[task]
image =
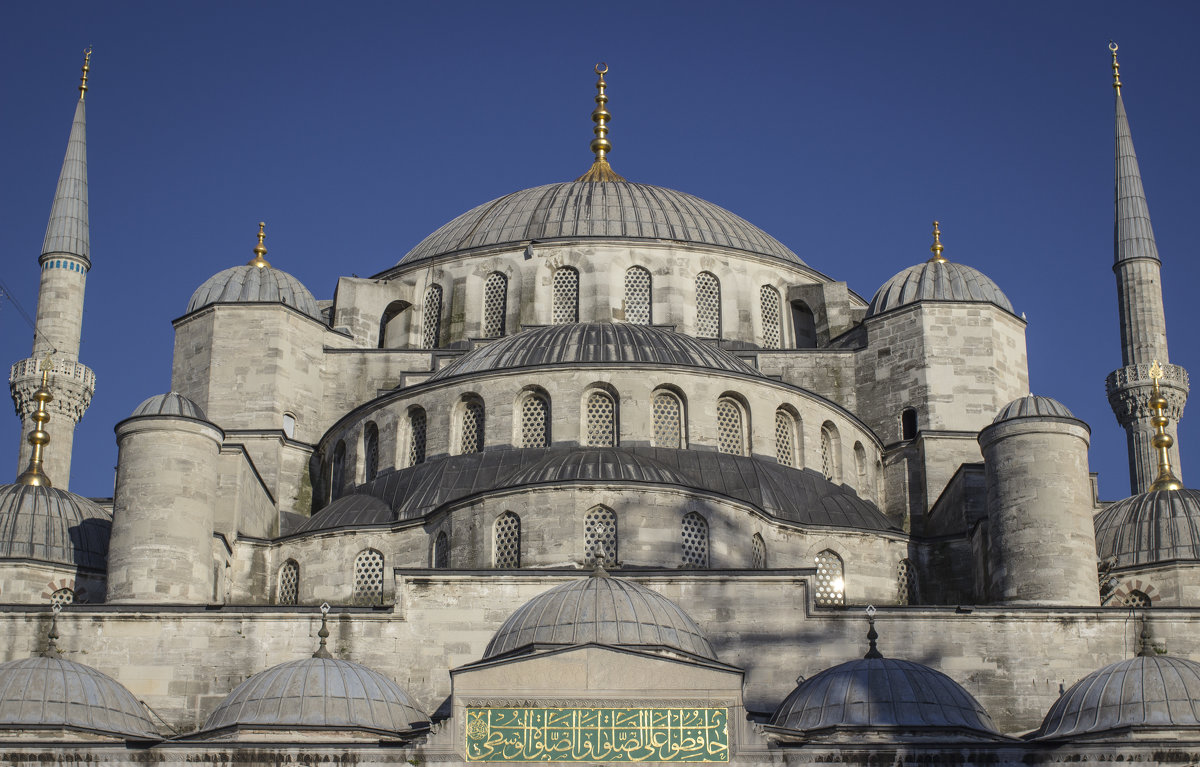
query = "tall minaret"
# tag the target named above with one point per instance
(64, 263)
(1143, 324)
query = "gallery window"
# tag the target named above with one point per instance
(495, 305)
(507, 554)
(695, 541)
(368, 578)
(637, 295)
(432, 317)
(708, 305)
(565, 307)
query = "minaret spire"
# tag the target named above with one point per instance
(601, 171)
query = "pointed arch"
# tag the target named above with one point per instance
(287, 583)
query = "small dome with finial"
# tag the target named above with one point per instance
(171, 403)
(255, 282)
(1033, 406)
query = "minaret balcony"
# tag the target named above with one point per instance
(72, 382)
(1129, 390)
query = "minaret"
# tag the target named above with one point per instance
(1143, 323)
(65, 264)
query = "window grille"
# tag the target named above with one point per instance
(667, 412)
(695, 541)
(729, 428)
(566, 296)
(1137, 598)
(831, 585)
(371, 449)
(600, 536)
(338, 470)
(508, 541)
(441, 551)
(62, 597)
(759, 553)
(828, 467)
(433, 316)
(289, 583)
(535, 421)
(708, 305)
(472, 428)
(785, 438)
(906, 583)
(601, 420)
(769, 300)
(637, 296)
(368, 578)
(495, 305)
(416, 437)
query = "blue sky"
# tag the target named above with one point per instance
(842, 129)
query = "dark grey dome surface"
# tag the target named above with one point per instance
(594, 342)
(604, 610)
(882, 692)
(43, 692)
(171, 403)
(319, 693)
(1157, 526)
(937, 281)
(595, 464)
(1155, 692)
(1033, 406)
(51, 525)
(618, 210)
(253, 284)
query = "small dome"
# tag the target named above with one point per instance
(937, 281)
(1147, 528)
(594, 343)
(1033, 406)
(253, 284)
(319, 693)
(1147, 692)
(51, 525)
(40, 693)
(871, 693)
(171, 403)
(600, 609)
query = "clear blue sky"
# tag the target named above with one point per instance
(842, 129)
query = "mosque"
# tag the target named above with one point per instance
(599, 472)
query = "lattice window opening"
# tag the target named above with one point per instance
(708, 306)
(495, 305)
(828, 458)
(637, 296)
(769, 301)
(62, 597)
(758, 558)
(508, 541)
(416, 437)
(1137, 598)
(731, 428)
(471, 440)
(830, 581)
(906, 583)
(371, 452)
(695, 541)
(288, 592)
(432, 317)
(600, 537)
(368, 578)
(535, 421)
(565, 296)
(441, 552)
(601, 415)
(785, 438)
(667, 417)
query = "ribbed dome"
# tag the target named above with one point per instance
(1033, 406)
(1140, 692)
(882, 692)
(596, 464)
(171, 403)
(40, 692)
(319, 693)
(594, 342)
(253, 284)
(51, 525)
(600, 609)
(937, 281)
(617, 210)
(1158, 526)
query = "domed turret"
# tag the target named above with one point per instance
(1033, 406)
(171, 403)
(255, 282)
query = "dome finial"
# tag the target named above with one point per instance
(936, 248)
(33, 474)
(260, 250)
(322, 650)
(1115, 67)
(601, 171)
(872, 635)
(1162, 441)
(87, 59)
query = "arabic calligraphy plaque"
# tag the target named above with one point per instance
(597, 734)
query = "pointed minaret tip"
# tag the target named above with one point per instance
(87, 59)
(260, 250)
(936, 248)
(601, 171)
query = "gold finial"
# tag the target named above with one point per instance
(601, 171)
(1115, 66)
(87, 59)
(260, 250)
(33, 474)
(323, 650)
(937, 248)
(1162, 441)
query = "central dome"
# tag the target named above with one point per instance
(618, 210)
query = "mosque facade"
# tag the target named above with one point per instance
(599, 472)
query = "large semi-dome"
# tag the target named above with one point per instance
(937, 281)
(595, 342)
(613, 210)
(1158, 526)
(254, 284)
(46, 524)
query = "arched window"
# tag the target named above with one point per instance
(804, 326)
(829, 447)
(62, 597)
(769, 304)
(440, 557)
(535, 421)
(371, 452)
(906, 583)
(708, 305)
(288, 587)
(565, 307)
(601, 420)
(368, 578)
(695, 541)
(471, 440)
(600, 536)
(1137, 598)
(786, 438)
(508, 541)
(878, 483)
(831, 584)
(731, 427)
(758, 553)
(337, 474)
(860, 471)
(637, 295)
(667, 415)
(289, 425)
(416, 436)
(908, 423)
(495, 305)
(433, 317)
(391, 334)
